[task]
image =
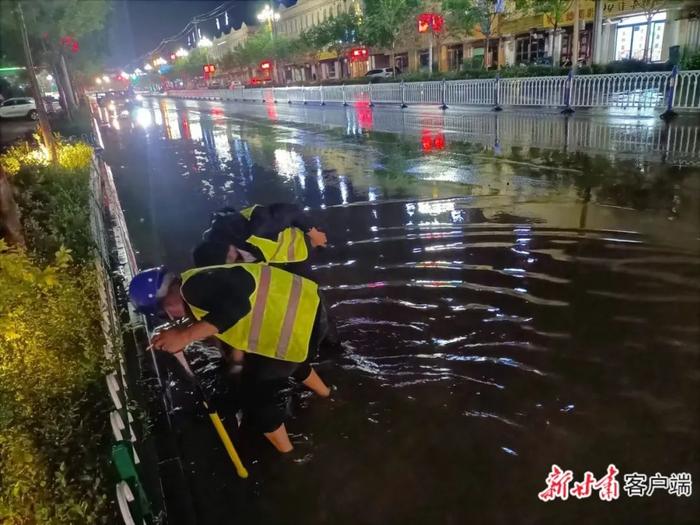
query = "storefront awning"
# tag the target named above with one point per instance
(327, 55)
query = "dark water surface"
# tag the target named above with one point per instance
(513, 291)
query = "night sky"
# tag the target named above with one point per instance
(137, 26)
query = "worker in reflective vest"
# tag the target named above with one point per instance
(276, 234)
(272, 234)
(269, 313)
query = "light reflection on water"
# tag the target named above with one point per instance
(499, 314)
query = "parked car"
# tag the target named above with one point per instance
(19, 107)
(383, 72)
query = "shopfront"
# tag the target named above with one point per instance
(635, 32)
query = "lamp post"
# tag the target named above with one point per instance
(268, 15)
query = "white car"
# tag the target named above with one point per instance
(19, 107)
(383, 72)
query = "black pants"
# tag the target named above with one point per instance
(265, 381)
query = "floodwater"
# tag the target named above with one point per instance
(513, 291)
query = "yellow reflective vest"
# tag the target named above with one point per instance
(282, 314)
(289, 246)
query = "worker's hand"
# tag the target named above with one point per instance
(317, 238)
(173, 340)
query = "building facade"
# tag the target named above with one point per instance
(517, 38)
(227, 42)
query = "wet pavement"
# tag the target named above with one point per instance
(514, 290)
(15, 129)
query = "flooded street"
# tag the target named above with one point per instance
(513, 290)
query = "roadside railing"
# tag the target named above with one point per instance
(146, 471)
(650, 90)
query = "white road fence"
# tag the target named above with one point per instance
(670, 90)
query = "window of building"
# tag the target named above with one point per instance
(631, 37)
(455, 56)
(531, 48)
(424, 58)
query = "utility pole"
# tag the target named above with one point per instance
(430, 54)
(575, 46)
(44, 125)
(597, 31)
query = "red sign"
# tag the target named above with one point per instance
(358, 54)
(209, 70)
(430, 21)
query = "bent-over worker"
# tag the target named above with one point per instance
(270, 314)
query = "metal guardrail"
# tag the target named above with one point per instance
(163, 474)
(653, 90)
(134, 504)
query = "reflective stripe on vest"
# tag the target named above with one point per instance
(247, 212)
(282, 314)
(290, 245)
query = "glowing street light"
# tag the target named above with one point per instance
(204, 42)
(98, 80)
(268, 15)
(148, 67)
(138, 71)
(180, 53)
(105, 79)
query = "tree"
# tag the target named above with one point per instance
(650, 8)
(10, 224)
(554, 10)
(44, 126)
(385, 20)
(193, 64)
(335, 34)
(463, 16)
(47, 22)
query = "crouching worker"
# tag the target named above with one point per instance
(270, 314)
(277, 234)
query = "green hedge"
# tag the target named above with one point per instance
(472, 70)
(54, 425)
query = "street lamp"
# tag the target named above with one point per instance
(148, 67)
(268, 15)
(180, 53)
(98, 80)
(204, 42)
(105, 78)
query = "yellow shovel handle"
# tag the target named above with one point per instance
(219, 426)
